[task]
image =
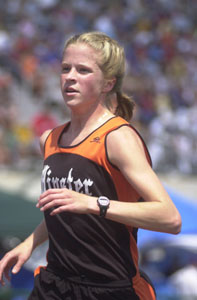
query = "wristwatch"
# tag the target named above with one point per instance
(103, 203)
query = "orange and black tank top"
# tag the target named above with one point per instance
(85, 243)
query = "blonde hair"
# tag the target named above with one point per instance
(112, 63)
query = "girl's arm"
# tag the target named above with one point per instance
(21, 253)
(158, 213)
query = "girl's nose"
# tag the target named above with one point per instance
(71, 75)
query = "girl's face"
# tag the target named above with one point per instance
(82, 81)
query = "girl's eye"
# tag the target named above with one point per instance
(65, 69)
(84, 70)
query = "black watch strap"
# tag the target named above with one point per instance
(103, 211)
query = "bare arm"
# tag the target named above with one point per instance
(21, 253)
(158, 212)
(38, 237)
(43, 139)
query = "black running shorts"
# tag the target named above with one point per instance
(50, 286)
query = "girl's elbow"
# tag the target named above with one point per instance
(176, 224)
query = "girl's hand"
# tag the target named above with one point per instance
(14, 259)
(62, 200)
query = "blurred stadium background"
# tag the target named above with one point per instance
(160, 40)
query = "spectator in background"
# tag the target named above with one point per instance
(184, 281)
(43, 121)
(8, 116)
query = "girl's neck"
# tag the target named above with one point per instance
(80, 127)
(90, 121)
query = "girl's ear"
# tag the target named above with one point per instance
(109, 84)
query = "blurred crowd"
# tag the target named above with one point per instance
(160, 40)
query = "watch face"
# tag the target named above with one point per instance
(104, 201)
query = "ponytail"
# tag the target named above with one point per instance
(125, 106)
